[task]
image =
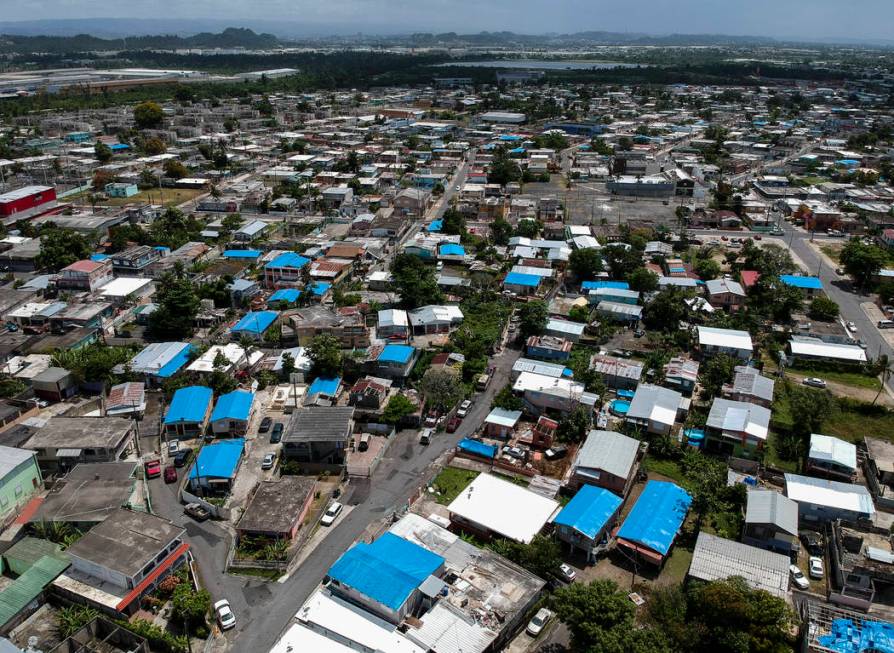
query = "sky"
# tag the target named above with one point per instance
(803, 19)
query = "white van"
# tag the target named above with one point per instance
(885, 324)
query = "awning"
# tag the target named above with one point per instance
(646, 553)
(68, 453)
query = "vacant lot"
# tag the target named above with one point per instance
(167, 197)
(450, 482)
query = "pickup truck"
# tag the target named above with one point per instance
(196, 511)
(153, 468)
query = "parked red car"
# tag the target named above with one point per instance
(153, 468)
(170, 474)
(453, 424)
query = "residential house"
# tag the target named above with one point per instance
(20, 479)
(188, 413)
(434, 319)
(393, 324)
(232, 413)
(135, 261)
(284, 270)
(500, 423)
(832, 458)
(681, 374)
(650, 528)
(736, 427)
(255, 325)
(617, 373)
(585, 523)
(655, 408)
(731, 342)
(608, 460)
(63, 442)
(214, 469)
(546, 393)
(549, 348)
(725, 294)
(308, 323)
(750, 386)
(821, 500)
(771, 522)
(277, 508)
(85, 275)
(317, 437)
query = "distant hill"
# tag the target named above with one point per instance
(230, 37)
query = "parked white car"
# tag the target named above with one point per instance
(567, 573)
(331, 513)
(814, 382)
(269, 461)
(815, 567)
(464, 408)
(799, 580)
(225, 615)
(173, 447)
(538, 623)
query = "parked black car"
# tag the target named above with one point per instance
(265, 425)
(276, 434)
(813, 542)
(182, 457)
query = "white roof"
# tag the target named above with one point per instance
(585, 242)
(822, 492)
(655, 403)
(542, 368)
(807, 346)
(12, 457)
(833, 450)
(503, 417)
(299, 638)
(355, 624)
(123, 286)
(540, 383)
(729, 338)
(393, 317)
(564, 326)
(504, 508)
(231, 351)
(435, 314)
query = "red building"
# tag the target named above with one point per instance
(24, 199)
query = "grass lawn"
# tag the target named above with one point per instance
(833, 252)
(669, 468)
(172, 197)
(772, 458)
(676, 567)
(854, 379)
(450, 482)
(852, 425)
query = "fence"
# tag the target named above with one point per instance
(216, 511)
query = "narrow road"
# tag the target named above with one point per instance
(264, 609)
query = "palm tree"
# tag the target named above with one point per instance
(885, 370)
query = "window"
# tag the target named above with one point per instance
(19, 490)
(4, 501)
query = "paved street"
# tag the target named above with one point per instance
(263, 609)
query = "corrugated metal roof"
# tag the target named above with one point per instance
(589, 510)
(447, 630)
(716, 558)
(29, 585)
(608, 451)
(771, 507)
(832, 450)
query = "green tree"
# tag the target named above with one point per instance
(585, 263)
(503, 170)
(177, 305)
(542, 556)
(60, 247)
(506, 400)
(325, 354)
(501, 231)
(705, 480)
(707, 268)
(666, 310)
(862, 261)
(643, 280)
(621, 261)
(823, 309)
(288, 364)
(579, 314)
(190, 606)
(10, 387)
(454, 223)
(397, 408)
(573, 427)
(533, 317)
(148, 115)
(598, 615)
(442, 387)
(175, 169)
(528, 228)
(415, 281)
(71, 619)
(714, 372)
(810, 409)
(102, 152)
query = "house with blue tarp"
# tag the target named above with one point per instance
(243, 254)
(161, 360)
(477, 448)
(232, 413)
(596, 285)
(284, 270)
(284, 295)
(323, 387)
(586, 521)
(435, 226)
(254, 324)
(451, 252)
(396, 361)
(214, 469)
(654, 521)
(521, 283)
(388, 577)
(188, 412)
(810, 286)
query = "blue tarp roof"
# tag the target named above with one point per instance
(233, 405)
(847, 636)
(320, 288)
(396, 354)
(327, 387)
(517, 150)
(285, 295)
(242, 253)
(478, 448)
(510, 137)
(596, 285)
(796, 280)
(387, 571)
(521, 279)
(589, 510)
(218, 459)
(435, 226)
(452, 249)
(98, 258)
(189, 404)
(115, 147)
(255, 322)
(178, 361)
(657, 516)
(288, 260)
